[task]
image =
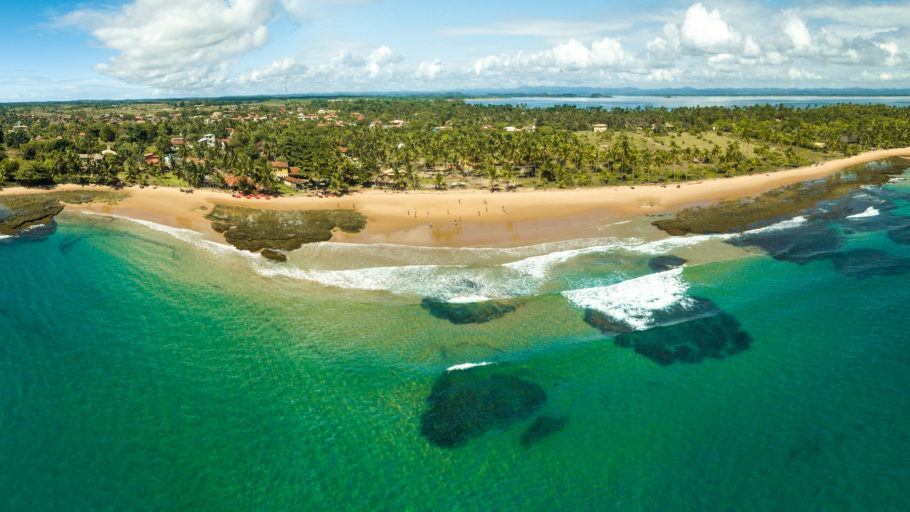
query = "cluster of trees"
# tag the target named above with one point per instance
(444, 143)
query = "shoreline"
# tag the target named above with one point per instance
(474, 217)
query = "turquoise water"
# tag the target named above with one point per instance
(143, 369)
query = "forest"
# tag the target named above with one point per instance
(339, 145)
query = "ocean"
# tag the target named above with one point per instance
(144, 368)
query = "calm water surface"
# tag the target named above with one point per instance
(142, 368)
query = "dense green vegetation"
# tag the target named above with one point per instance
(401, 143)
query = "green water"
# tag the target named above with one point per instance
(140, 372)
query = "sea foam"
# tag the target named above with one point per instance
(869, 212)
(467, 366)
(189, 236)
(634, 302)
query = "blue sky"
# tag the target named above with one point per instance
(61, 50)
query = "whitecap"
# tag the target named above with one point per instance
(467, 366)
(634, 302)
(441, 282)
(468, 299)
(869, 212)
(540, 266)
(780, 226)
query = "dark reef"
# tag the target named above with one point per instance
(470, 312)
(542, 428)
(465, 404)
(663, 263)
(779, 204)
(711, 337)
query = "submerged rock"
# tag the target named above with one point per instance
(604, 323)
(688, 309)
(802, 244)
(668, 262)
(542, 428)
(864, 263)
(715, 337)
(253, 229)
(274, 255)
(900, 235)
(465, 404)
(469, 312)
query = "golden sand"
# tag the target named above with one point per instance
(475, 217)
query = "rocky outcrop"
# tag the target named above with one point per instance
(23, 211)
(253, 229)
(779, 204)
(20, 212)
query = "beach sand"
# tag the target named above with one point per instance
(475, 217)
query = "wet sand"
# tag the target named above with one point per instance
(475, 217)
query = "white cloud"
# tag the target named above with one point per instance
(571, 55)
(802, 74)
(428, 70)
(205, 46)
(177, 44)
(706, 31)
(379, 58)
(796, 30)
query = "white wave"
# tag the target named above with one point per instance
(665, 245)
(780, 226)
(869, 212)
(4, 236)
(467, 366)
(539, 266)
(468, 299)
(635, 301)
(186, 235)
(447, 283)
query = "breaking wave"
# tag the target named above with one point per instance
(868, 212)
(633, 303)
(463, 275)
(467, 366)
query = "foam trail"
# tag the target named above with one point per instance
(447, 283)
(780, 226)
(467, 366)
(634, 302)
(869, 212)
(186, 235)
(540, 266)
(468, 299)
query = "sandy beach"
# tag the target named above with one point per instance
(475, 217)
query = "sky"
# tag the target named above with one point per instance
(118, 49)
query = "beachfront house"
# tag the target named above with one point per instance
(281, 169)
(599, 128)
